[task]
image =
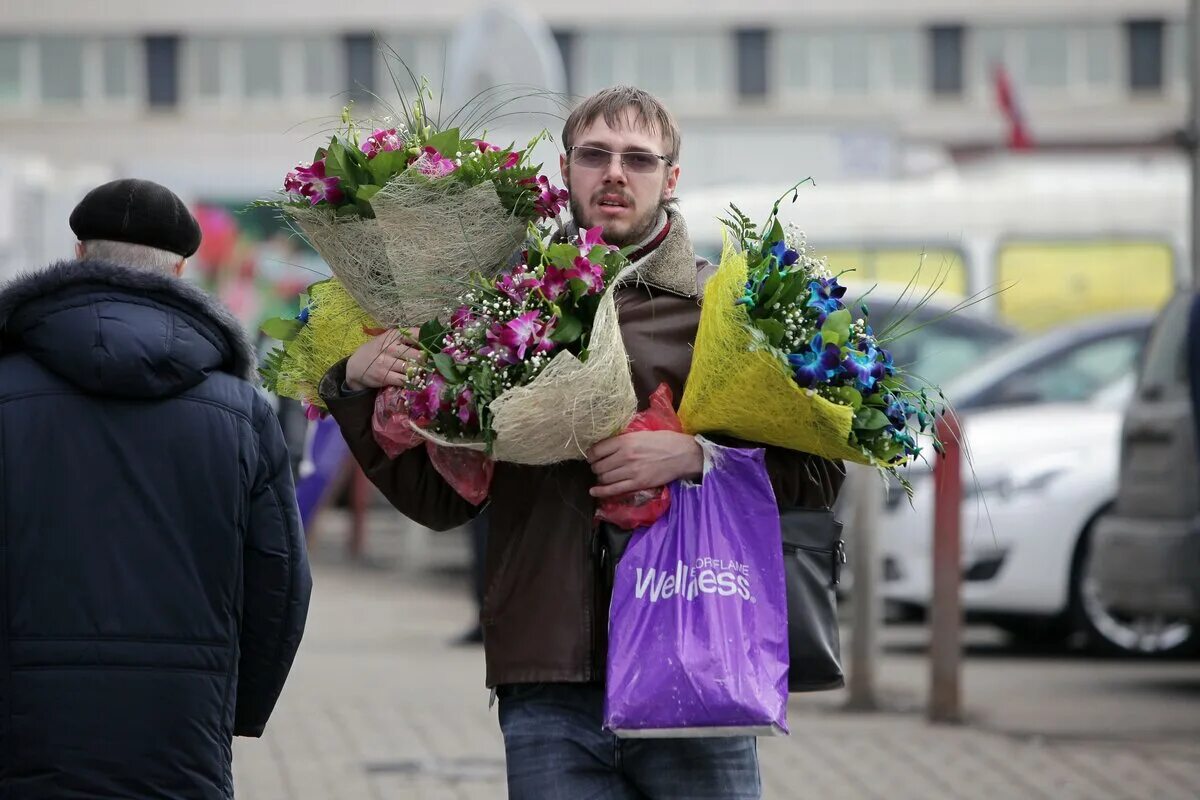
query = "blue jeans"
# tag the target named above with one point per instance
(556, 750)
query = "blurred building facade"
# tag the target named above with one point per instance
(220, 98)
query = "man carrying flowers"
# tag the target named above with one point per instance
(548, 571)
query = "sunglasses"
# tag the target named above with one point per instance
(599, 158)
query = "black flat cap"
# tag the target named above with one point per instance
(137, 212)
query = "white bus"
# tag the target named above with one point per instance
(1066, 237)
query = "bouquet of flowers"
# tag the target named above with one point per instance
(780, 360)
(403, 215)
(330, 326)
(530, 369)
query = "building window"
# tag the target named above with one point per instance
(830, 64)
(207, 64)
(683, 68)
(566, 50)
(60, 60)
(90, 72)
(946, 48)
(11, 74)
(162, 71)
(262, 68)
(1046, 57)
(851, 62)
(1101, 47)
(903, 67)
(1145, 39)
(752, 64)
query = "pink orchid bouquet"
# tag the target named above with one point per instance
(406, 214)
(351, 169)
(531, 367)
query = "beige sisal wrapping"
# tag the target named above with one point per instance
(410, 263)
(570, 406)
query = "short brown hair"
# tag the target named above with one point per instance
(612, 103)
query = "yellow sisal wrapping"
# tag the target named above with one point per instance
(736, 390)
(334, 331)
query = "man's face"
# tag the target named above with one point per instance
(622, 201)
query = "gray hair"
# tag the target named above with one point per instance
(138, 256)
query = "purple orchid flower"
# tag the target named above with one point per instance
(825, 295)
(382, 141)
(590, 273)
(551, 200)
(462, 317)
(316, 186)
(425, 404)
(865, 368)
(555, 281)
(465, 406)
(784, 256)
(433, 164)
(816, 365)
(292, 183)
(513, 159)
(517, 284)
(590, 237)
(898, 411)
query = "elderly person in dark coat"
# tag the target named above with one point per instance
(153, 577)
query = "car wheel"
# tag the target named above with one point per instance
(1109, 632)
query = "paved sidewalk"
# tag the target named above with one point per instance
(380, 705)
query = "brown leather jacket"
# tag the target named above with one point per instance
(545, 608)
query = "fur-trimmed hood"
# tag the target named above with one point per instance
(121, 332)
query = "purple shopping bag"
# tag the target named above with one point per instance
(698, 623)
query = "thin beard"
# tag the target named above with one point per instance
(634, 236)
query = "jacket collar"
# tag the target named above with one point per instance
(671, 265)
(221, 326)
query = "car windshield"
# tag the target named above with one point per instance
(930, 342)
(1062, 366)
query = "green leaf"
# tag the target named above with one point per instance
(773, 328)
(446, 366)
(447, 142)
(562, 255)
(431, 334)
(870, 419)
(483, 382)
(836, 329)
(578, 288)
(387, 164)
(771, 287)
(793, 285)
(776, 234)
(283, 329)
(847, 396)
(568, 330)
(367, 191)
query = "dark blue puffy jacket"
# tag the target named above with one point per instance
(153, 577)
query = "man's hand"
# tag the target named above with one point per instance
(630, 462)
(383, 361)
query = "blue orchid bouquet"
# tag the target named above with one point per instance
(781, 359)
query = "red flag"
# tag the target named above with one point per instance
(1018, 131)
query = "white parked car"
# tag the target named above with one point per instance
(1035, 481)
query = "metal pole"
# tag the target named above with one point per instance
(945, 618)
(1193, 132)
(866, 606)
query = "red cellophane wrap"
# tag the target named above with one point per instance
(469, 472)
(644, 507)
